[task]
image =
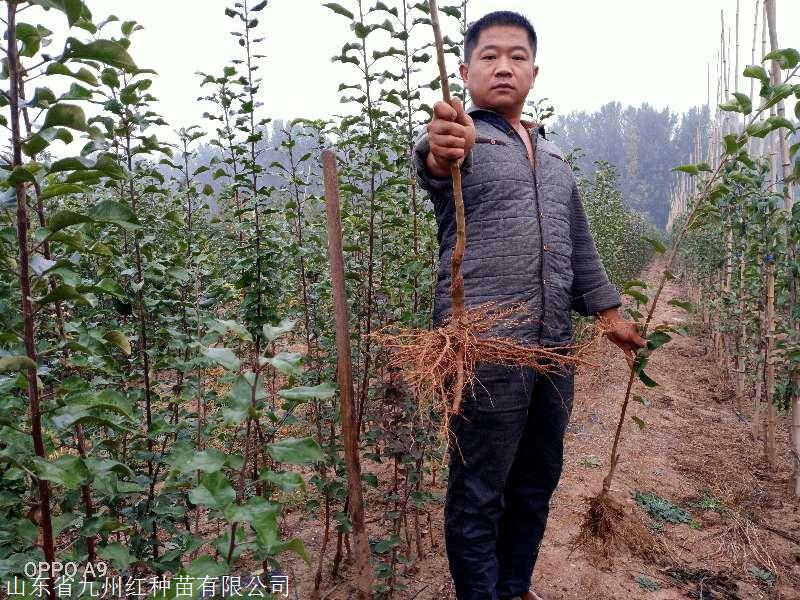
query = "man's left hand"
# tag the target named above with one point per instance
(625, 334)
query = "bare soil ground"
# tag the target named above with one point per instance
(696, 451)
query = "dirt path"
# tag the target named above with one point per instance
(695, 451)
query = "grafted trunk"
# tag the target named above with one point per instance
(29, 331)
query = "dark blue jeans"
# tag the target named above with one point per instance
(506, 454)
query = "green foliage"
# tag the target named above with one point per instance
(662, 509)
(624, 238)
(762, 575)
(182, 299)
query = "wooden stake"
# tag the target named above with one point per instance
(345, 377)
(457, 278)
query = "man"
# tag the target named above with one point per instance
(528, 242)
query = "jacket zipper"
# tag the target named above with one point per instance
(539, 217)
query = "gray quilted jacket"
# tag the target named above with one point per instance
(528, 240)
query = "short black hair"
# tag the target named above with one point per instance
(499, 17)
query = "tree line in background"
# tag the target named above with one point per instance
(643, 143)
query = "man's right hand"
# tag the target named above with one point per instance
(451, 134)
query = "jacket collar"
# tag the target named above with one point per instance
(499, 121)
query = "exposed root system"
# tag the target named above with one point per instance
(608, 526)
(428, 360)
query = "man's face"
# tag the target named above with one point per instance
(500, 71)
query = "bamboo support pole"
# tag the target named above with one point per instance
(345, 377)
(782, 172)
(769, 328)
(783, 144)
(769, 368)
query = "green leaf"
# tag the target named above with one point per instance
(42, 139)
(631, 283)
(788, 58)
(757, 72)
(296, 545)
(30, 37)
(82, 74)
(229, 325)
(73, 163)
(43, 97)
(273, 332)
(206, 566)
(657, 339)
(105, 51)
(64, 521)
(113, 400)
(732, 144)
(296, 451)
(110, 78)
(101, 467)
(730, 106)
(286, 362)
(40, 264)
(118, 555)
(65, 115)
(77, 92)
(657, 246)
(119, 339)
(384, 546)
(265, 523)
(639, 421)
(224, 357)
(111, 287)
(214, 491)
(19, 176)
(765, 127)
(60, 189)
(208, 460)
(339, 9)
(110, 211)
(239, 513)
(744, 101)
(641, 400)
(73, 9)
(241, 397)
(65, 292)
(646, 379)
(687, 306)
(777, 122)
(288, 481)
(68, 470)
(690, 169)
(260, 6)
(10, 364)
(323, 391)
(107, 164)
(637, 295)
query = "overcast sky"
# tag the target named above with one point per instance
(590, 51)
